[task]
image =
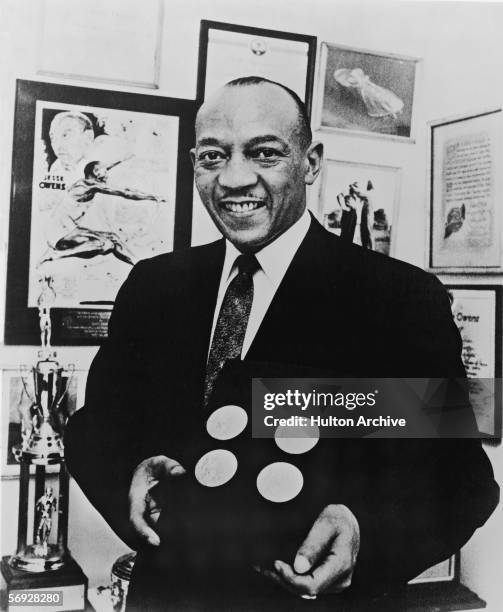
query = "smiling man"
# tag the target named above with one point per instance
(277, 293)
(252, 162)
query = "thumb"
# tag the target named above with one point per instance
(317, 542)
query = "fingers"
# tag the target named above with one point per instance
(335, 571)
(137, 509)
(327, 556)
(142, 507)
(317, 542)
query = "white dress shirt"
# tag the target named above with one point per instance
(274, 260)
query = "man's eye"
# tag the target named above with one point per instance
(265, 154)
(210, 156)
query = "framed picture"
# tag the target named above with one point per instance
(477, 311)
(365, 92)
(465, 218)
(17, 399)
(106, 49)
(228, 51)
(100, 180)
(359, 202)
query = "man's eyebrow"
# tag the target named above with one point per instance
(209, 141)
(257, 140)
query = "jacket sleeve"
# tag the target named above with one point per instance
(425, 497)
(102, 446)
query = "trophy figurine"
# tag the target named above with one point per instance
(42, 547)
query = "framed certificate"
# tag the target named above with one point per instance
(100, 180)
(228, 51)
(465, 228)
(477, 311)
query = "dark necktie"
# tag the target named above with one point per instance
(232, 321)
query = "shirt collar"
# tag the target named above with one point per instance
(275, 258)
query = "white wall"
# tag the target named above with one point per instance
(462, 50)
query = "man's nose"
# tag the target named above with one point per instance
(237, 174)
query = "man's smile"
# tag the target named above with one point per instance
(241, 206)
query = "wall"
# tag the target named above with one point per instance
(461, 48)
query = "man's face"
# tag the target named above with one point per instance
(70, 141)
(100, 172)
(250, 166)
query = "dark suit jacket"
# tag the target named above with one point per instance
(340, 309)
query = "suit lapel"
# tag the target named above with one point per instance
(202, 278)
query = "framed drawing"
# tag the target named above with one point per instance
(228, 51)
(477, 311)
(359, 202)
(100, 180)
(106, 49)
(17, 399)
(365, 92)
(465, 220)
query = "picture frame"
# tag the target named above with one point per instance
(366, 93)
(16, 400)
(343, 209)
(465, 228)
(118, 189)
(120, 26)
(477, 311)
(228, 51)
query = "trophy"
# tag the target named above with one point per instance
(42, 560)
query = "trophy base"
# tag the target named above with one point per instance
(69, 581)
(36, 559)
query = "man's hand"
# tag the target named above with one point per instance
(143, 509)
(326, 558)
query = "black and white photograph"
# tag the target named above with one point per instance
(366, 92)
(251, 302)
(365, 208)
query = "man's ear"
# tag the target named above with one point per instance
(313, 161)
(192, 154)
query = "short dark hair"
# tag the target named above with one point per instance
(90, 168)
(305, 132)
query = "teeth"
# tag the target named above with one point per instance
(241, 207)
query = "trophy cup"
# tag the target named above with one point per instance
(42, 562)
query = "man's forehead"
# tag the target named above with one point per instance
(248, 110)
(69, 123)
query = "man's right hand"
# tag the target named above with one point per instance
(143, 509)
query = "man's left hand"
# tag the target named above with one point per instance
(326, 558)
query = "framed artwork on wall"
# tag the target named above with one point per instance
(228, 51)
(359, 202)
(366, 92)
(100, 180)
(106, 49)
(477, 311)
(465, 217)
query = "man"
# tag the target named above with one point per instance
(395, 506)
(72, 215)
(71, 135)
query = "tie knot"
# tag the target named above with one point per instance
(247, 264)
